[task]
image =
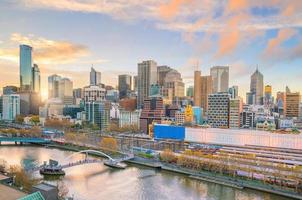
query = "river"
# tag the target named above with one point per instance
(98, 182)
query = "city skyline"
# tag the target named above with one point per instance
(167, 34)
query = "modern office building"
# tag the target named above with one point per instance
(124, 85)
(11, 106)
(10, 89)
(190, 91)
(180, 117)
(203, 86)
(135, 82)
(98, 113)
(153, 111)
(281, 103)
(293, 100)
(129, 118)
(112, 95)
(198, 113)
(147, 75)
(234, 113)
(53, 86)
(218, 110)
(161, 74)
(95, 77)
(174, 81)
(29, 103)
(233, 91)
(257, 87)
(197, 88)
(36, 79)
(26, 79)
(66, 91)
(220, 76)
(94, 93)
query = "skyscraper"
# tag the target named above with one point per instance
(203, 86)
(26, 79)
(218, 111)
(220, 76)
(124, 85)
(197, 88)
(53, 86)
(161, 74)
(11, 106)
(292, 104)
(174, 81)
(235, 110)
(36, 78)
(147, 75)
(95, 77)
(257, 86)
(233, 91)
(66, 91)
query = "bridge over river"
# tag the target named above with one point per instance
(112, 162)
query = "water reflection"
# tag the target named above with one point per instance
(96, 181)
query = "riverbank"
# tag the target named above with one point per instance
(199, 175)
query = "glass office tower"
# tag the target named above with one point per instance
(26, 68)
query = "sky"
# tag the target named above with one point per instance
(69, 36)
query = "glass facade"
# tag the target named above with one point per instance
(36, 78)
(26, 68)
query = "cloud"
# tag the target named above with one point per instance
(45, 51)
(172, 8)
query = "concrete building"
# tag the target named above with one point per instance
(94, 93)
(257, 87)
(147, 75)
(129, 118)
(281, 103)
(53, 86)
(162, 73)
(153, 111)
(124, 85)
(235, 110)
(95, 77)
(54, 107)
(10, 89)
(292, 104)
(98, 113)
(174, 81)
(128, 104)
(179, 117)
(220, 76)
(218, 110)
(26, 80)
(233, 91)
(203, 86)
(11, 106)
(36, 79)
(112, 95)
(135, 83)
(66, 91)
(190, 91)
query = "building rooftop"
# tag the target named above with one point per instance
(44, 187)
(9, 193)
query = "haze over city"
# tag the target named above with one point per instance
(69, 36)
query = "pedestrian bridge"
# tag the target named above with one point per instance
(24, 140)
(86, 160)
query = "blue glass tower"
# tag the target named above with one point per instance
(26, 68)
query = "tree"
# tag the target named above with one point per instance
(35, 131)
(35, 119)
(168, 156)
(3, 166)
(109, 143)
(20, 119)
(22, 179)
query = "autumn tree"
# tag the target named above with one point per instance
(35, 119)
(20, 119)
(168, 156)
(22, 179)
(62, 189)
(109, 143)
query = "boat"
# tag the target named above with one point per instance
(113, 164)
(52, 170)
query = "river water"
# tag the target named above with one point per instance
(98, 182)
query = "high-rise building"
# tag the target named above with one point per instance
(29, 103)
(235, 110)
(78, 93)
(190, 91)
(268, 98)
(98, 113)
(174, 81)
(218, 110)
(135, 82)
(256, 87)
(153, 111)
(53, 86)
(26, 80)
(161, 74)
(36, 79)
(124, 85)
(233, 91)
(281, 102)
(95, 77)
(220, 76)
(293, 100)
(94, 93)
(203, 86)
(129, 118)
(147, 75)
(10, 89)
(66, 91)
(197, 88)
(11, 106)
